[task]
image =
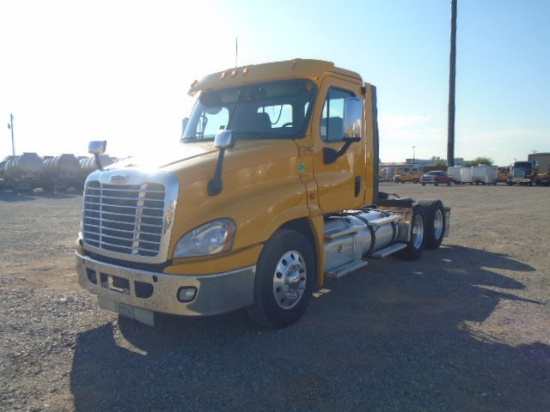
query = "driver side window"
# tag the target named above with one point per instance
(332, 121)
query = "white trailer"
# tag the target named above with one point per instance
(461, 175)
(485, 175)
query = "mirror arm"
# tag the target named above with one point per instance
(215, 186)
(98, 162)
(330, 155)
(349, 141)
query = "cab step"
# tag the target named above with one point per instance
(382, 253)
(347, 268)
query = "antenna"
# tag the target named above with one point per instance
(10, 126)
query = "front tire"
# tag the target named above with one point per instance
(285, 277)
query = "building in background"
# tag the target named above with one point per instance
(543, 160)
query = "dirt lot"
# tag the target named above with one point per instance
(465, 328)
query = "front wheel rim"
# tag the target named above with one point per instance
(289, 279)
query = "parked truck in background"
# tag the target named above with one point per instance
(436, 177)
(407, 175)
(503, 173)
(523, 173)
(543, 179)
(273, 190)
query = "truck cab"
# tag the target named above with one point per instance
(273, 189)
(523, 173)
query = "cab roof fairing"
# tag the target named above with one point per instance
(269, 71)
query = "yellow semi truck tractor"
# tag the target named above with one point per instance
(273, 189)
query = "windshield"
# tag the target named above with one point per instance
(519, 172)
(273, 110)
(524, 165)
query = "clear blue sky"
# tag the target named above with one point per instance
(73, 70)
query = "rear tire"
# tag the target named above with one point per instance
(285, 277)
(435, 222)
(415, 247)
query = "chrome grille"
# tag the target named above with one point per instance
(125, 219)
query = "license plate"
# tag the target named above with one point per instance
(139, 314)
(127, 311)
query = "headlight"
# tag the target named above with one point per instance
(211, 238)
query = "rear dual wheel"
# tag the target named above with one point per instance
(435, 222)
(417, 239)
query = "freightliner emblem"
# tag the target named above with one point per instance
(119, 179)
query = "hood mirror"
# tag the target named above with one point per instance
(224, 139)
(97, 147)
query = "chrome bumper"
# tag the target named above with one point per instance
(136, 293)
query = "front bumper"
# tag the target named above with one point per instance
(124, 290)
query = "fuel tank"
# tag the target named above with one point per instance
(353, 235)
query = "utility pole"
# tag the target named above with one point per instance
(236, 52)
(10, 126)
(452, 78)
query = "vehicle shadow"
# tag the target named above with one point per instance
(26, 197)
(394, 336)
(14, 197)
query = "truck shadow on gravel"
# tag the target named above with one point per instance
(394, 336)
(14, 197)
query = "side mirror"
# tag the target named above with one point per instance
(329, 155)
(224, 139)
(97, 147)
(353, 114)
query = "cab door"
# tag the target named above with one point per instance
(339, 162)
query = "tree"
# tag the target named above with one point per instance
(481, 160)
(440, 163)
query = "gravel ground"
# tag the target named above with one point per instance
(465, 328)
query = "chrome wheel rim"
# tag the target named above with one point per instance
(418, 231)
(289, 279)
(438, 224)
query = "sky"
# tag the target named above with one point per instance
(72, 71)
